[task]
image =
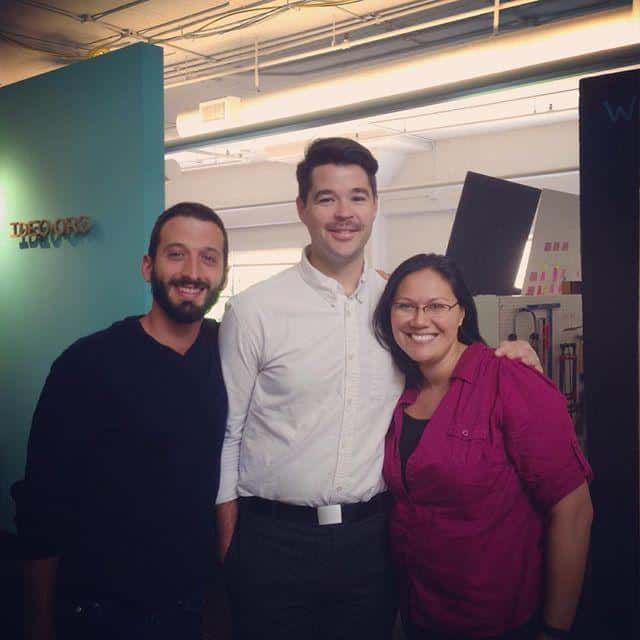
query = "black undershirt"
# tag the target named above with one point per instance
(412, 430)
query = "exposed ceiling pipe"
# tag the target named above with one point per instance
(309, 36)
(122, 7)
(129, 34)
(587, 63)
(547, 95)
(366, 40)
(496, 16)
(125, 33)
(381, 16)
(80, 17)
(176, 23)
(52, 9)
(552, 106)
(561, 171)
(176, 26)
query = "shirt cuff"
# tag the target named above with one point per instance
(573, 475)
(226, 494)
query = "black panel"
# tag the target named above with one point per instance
(490, 230)
(609, 147)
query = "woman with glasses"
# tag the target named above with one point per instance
(491, 517)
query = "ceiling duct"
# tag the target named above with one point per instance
(211, 116)
(558, 50)
(221, 109)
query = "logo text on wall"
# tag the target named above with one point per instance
(42, 228)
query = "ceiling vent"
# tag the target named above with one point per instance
(220, 110)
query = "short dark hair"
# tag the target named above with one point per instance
(335, 151)
(187, 210)
(447, 269)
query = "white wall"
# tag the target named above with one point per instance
(281, 236)
(417, 204)
(235, 185)
(417, 233)
(420, 206)
(527, 151)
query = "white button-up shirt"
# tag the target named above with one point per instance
(311, 392)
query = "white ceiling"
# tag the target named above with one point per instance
(210, 49)
(408, 131)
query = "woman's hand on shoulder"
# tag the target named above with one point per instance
(519, 350)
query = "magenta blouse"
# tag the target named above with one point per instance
(468, 535)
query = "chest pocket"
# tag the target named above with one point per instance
(468, 452)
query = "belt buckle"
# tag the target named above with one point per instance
(329, 514)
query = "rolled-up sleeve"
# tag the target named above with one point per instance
(239, 353)
(539, 435)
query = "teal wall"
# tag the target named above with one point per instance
(83, 140)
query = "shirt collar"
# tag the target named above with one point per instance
(466, 369)
(329, 288)
(409, 396)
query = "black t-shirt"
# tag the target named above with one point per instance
(412, 429)
(123, 465)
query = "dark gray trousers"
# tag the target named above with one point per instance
(308, 582)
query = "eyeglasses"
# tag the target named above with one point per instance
(433, 309)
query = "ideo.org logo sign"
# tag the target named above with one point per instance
(42, 228)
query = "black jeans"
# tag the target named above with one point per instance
(87, 619)
(307, 582)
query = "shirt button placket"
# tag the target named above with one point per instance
(352, 384)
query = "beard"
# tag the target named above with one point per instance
(186, 311)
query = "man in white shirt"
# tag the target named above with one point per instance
(311, 394)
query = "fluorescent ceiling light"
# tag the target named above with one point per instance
(504, 53)
(409, 131)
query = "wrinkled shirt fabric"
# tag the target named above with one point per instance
(467, 531)
(311, 392)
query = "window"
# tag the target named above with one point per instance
(249, 267)
(522, 270)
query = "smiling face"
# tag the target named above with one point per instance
(427, 337)
(339, 213)
(187, 273)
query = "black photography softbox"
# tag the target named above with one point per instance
(491, 227)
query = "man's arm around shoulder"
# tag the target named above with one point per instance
(519, 350)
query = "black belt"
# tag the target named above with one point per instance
(330, 514)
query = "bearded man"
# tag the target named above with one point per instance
(115, 514)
